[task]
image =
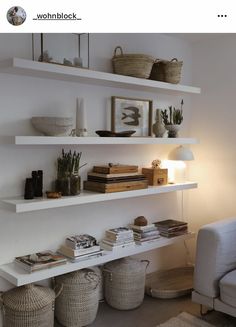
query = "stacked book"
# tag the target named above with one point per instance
(80, 247)
(115, 178)
(144, 234)
(171, 227)
(40, 260)
(118, 238)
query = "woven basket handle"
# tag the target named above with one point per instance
(121, 51)
(58, 292)
(92, 276)
(174, 59)
(147, 262)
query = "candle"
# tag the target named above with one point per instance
(81, 119)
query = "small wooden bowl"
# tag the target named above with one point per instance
(53, 195)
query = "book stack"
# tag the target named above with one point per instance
(144, 234)
(118, 238)
(80, 247)
(171, 227)
(40, 260)
(115, 178)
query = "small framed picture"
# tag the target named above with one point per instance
(131, 114)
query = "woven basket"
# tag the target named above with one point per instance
(167, 71)
(28, 306)
(77, 304)
(124, 283)
(136, 65)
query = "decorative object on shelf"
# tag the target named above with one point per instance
(181, 153)
(124, 281)
(37, 177)
(140, 221)
(81, 118)
(158, 127)
(29, 189)
(145, 234)
(167, 71)
(171, 228)
(53, 126)
(104, 133)
(81, 242)
(40, 260)
(101, 181)
(82, 289)
(173, 120)
(115, 169)
(29, 305)
(53, 195)
(136, 65)
(75, 46)
(68, 179)
(156, 175)
(135, 113)
(118, 238)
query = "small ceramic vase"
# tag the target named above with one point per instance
(158, 127)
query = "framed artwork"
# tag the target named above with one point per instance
(131, 114)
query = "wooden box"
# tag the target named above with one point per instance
(157, 176)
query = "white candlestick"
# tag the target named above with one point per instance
(81, 119)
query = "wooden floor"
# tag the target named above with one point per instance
(153, 312)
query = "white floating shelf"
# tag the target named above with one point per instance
(53, 140)
(19, 66)
(17, 276)
(19, 205)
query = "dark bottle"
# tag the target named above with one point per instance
(35, 181)
(29, 189)
(39, 186)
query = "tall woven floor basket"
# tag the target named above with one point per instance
(124, 281)
(28, 306)
(77, 304)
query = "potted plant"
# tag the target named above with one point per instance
(68, 179)
(173, 120)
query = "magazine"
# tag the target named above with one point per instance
(40, 260)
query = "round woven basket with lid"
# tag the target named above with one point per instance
(77, 304)
(124, 283)
(28, 306)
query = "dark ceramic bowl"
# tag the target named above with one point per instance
(113, 134)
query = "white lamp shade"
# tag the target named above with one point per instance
(181, 153)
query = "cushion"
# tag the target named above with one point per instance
(228, 288)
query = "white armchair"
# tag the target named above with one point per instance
(215, 267)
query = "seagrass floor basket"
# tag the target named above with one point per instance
(124, 281)
(28, 306)
(136, 65)
(167, 71)
(77, 303)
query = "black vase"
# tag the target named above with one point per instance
(29, 189)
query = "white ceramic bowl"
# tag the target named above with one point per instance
(53, 126)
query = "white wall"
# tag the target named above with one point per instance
(23, 97)
(213, 122)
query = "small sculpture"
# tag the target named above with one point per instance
(140, 221)
(156, 164)
(46, 57)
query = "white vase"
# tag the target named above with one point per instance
(81, 118)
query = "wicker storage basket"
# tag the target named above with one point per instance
(28, 306)
(124, 281)
(167, 71)
(136, 65)
(77, 304)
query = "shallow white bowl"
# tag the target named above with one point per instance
(53, 126)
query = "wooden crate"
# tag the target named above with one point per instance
(157, 176)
